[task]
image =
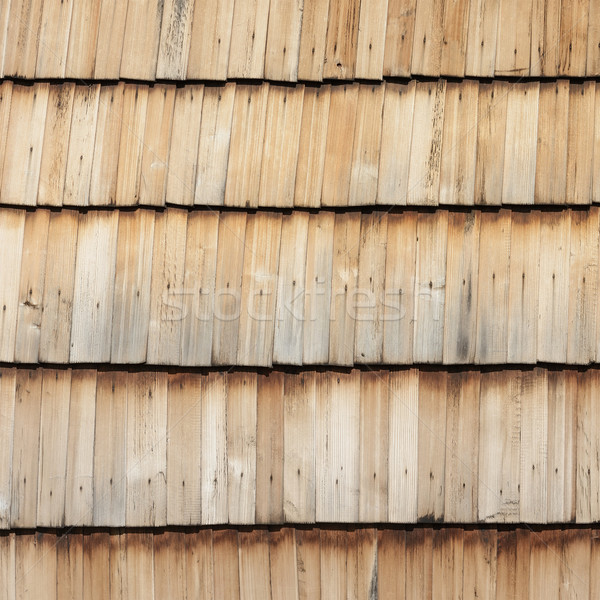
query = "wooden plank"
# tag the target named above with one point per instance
(454, 40)
(573, 37)
(499, 447)
(199, 564)
(96, 569)
(53, 40)
(366, 550)
(21, 171)
(462, 279)
(210, 40)
(551, 153)
(166, 288)
(391, 567)
(25, 454)
(283, 560)
(480, 55)
(545, 36)
(317, 303)
(184, 458)
(169, 565)
(545, 564)
(587, 489)
(534, 440)
(312, 145)
(398, 107)
(523, 563)
(281, 143)
(428, 38)
(5, 101)
(255, 580)
(430, 287)
(593, 41)
(555, 234)
(31, 286)
(419, 563)
(133, 121)
(94, 286)
(59, 281)
(226, 562)
(110, 451)
(259, 281)
(241, 447)
(103, 182)
(580, 143)
(480, 559)
(521, 144)
(79, 485)
(367, 306)
(594, 561)
(146, 450)
(399, 38)
(4, 15)
(447, 568)
(315, 17)
(374, 435)
(283, 40)
(139, 565)
(131, 303)
(459, 143)
(81, 57)
(371, 42)
(56, 141)
(431, 447)
(248, 40)
(562, 445)
(183, 154)
(334, 551)
(596, 166)
(269, 449)
(493, 288)
(337, 442)
(81, 146)
(22, 38)
(367, 144)
(523, 287)
(175, 39)
(228, 286)
(35, 560)
(299, 399)
(199, 288)
(213, 149)
(426, 144)
(157, 136)
(491, 135)
(111, 34)
(399, 291)
(12, 233)
(308, 555)
(513, 39)
(245, 151)
(141, 39)
(213, 450)
(338, 153)
(69, 566)
(118, 562)
(289, 312)
(583, 277)
(345, 274)
(342, 38)
(462, 446)
(8, 383)
(576, 571)
(506, 559)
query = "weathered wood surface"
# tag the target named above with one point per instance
(261, 289)
(423, 143)
(295, 39)
(403, 446)
(292, 563)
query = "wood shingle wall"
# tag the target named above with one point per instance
(299, 299)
